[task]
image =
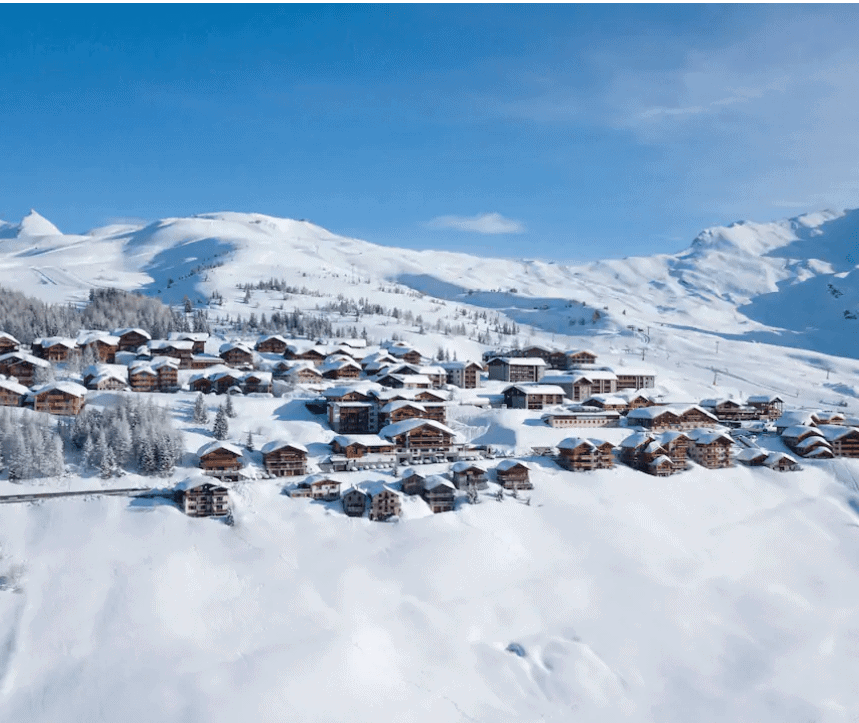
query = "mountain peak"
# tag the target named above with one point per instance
(34, 224)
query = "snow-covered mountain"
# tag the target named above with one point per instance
(790, 282)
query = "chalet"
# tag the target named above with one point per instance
(272, 344)
(26, 368)
(237, 354)
(167, 371)
(323, 488)
(583, 455)
(303, 352)
(793, 419)
(420, 439)
(466, 474)
(532, 396)
(674, 416)
(131, 339)
(607, 402)
(412, 482)
(710, 449)
(637, 401)
(377, 361)
(54, 348)
(427, 397)
(106, 377)
(813, 446)
(353, 417)
(520, 369)
(580, 358)
(464, 374)
(385, 504)
(843, 440)
(629, 378)
(224, 381)
(819, 418)
(8, 343)
(354, 502)
(63, 398)
(781, 462)
(201, 384)
(769, 407)
(513, 475)
(204, 361)
(404, 381)
(436, 374)
(340, 367)
(729, 410)
(439, 494)
(534, 351)
(221, 460)
(198, 339)
(181, 350)
(142, 378)
(12, 394)
(398, 411)
(103, 346)
(256, 383)
(405, 352)
(660, 466)
(206, 500)
(356, 446)
(641, 450)
(284, 459)
(302, 490)
(581, 416)
(581, 386)
(752, 456)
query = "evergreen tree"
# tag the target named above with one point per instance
(250, 443)
(201, 415)
(229, 409)
(221, 427)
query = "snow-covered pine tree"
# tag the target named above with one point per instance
(221, 426)
(201, 414)
(229, 409)
(250, 443)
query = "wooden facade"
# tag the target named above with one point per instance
(413, 483)
(712, 451)
(384, 505)
(521, 396)
(584, 455)
(237, 356)
(439, 494)
(354, 502)
(60, 398)
(512, 475)
(206, 500)
(283, 459)
(131, 339)
(221, 460)
(465, 474)
(516, 370)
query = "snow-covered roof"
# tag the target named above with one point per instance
(774, 458)
(538, 389)
(635, 440)
(463, 465)
(72, 388)
(833, 432)
(13, 387)
(581, 351)
(164, 361)
(521, 361)
(450, 365)
(702, 436)
(595, 374)
(407, 425)
(752, 453)
(188, 335)
(216, 445)
(178, 344)
(237, 345)
(435, 480)
(799, 430)
(321, 479)
(607, 399)
(366, 440)
(812, 441)
(89, 337)
(765, 399)
(400, 403)
(575, 443)
(4, 335)
(24, 357)
(508, 464)
(276, 444)
(49, 341)
(129, 329)
(676, 409)
(634, 372)
(660, 461)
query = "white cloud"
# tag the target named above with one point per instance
(481, 223)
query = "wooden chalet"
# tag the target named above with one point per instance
(639, 401)
(412, 482)
(62, 398)
(607, 402)
(104, 346)
(513, 475)
(54, 349)
(273, 344)
(464, 374)
(533, 396)
(516, 369)
(204, 361)
(24, 367)
(580, 358)
(167, 371)
(464, 474)
(385, 504)
(224, 381)
(660, 466)
(323, 487)
(237, 354)
(628, 378)
(142, 378)
(404, 381)
(769, 407)
(583, 455)
(399, 411)
(710, 449)
(340, 368)
(198, 339)
(671, 417)
(439, 494)
(102, 377)
(257, 383)
(131, 339)
(815, 447)
(843, 440)
(302, 489)
(206, 500)
(352, 417)
(781, 462)
(354, 502)
(641, 450)
(405, 352)
(181, 350)
(296, 352)
(221, 460)
(357, 446)
(284, 459)
(12, 394)
(8, 343)
(420, 439)
(201, 384)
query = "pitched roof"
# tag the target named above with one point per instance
(216, 445)
(75, 390)
(407, 425)
(276, 444)
(507, 464)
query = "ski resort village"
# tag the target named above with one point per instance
(306, 477)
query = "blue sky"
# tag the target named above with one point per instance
(564, 132)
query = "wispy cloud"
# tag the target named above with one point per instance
(490, 223)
